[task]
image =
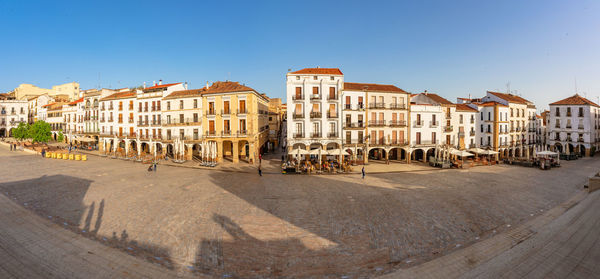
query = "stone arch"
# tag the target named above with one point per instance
(429, 153)
(571, 148)
(315, 145)
(581, 150)
(558, 147)
(418, 154)
(299, 145)
(197, 151)
(227, 146)
(377, 153)
(159, 148)
(397, 153)
(244, 150)
(133, 146)
(2, 132)
(332, 145)
(170, 152)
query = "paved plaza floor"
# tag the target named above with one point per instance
(194, 221)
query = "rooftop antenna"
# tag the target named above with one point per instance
(99, 83)
(575, 85)
(508, 87)
(228, 76)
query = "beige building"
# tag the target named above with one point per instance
(27, 91)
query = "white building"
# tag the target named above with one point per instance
(182, 111)
(314, 108)
(519, 117)
(425, 130)
(12, 112)
(573, 125)
(464, 118)
(117, 120)
(149, 109)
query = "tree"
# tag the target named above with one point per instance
(40, 132)
(22, 131)
(60, 137)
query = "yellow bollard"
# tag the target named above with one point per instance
(71, 157)
(77, 157)
(83, 157)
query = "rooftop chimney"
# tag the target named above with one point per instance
(185, 86)
(207, 85)
(425, 92)
(154, 83)
(160, 82)
(144, 85)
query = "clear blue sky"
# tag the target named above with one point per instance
(454, 48)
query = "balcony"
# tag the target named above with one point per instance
(472, 133)
(211, 133)
(568, 114)
(418, 123)
(314, 97)
(226, 133)
(298, 115)
(531, 130)
(398, 142)
(332, 97)
(461, 134)
(397, 123)
(102, 120)
(156, 122)
(242, 132)
(110, 107)
(332, 135)
(448, 128)
(376, 105)
(425, 142)
(297, 97)
(434, 124)
(130, 120)
(145, 109)
(512, 129)
(472, 121)
(376, 123)
(102, 108)
(332, 115)
(518, 129)
(354, 125)
(580, 140)
(580, 127)
(142, 123)
(109, 120)
(242, 111)
(316, 114)
(225, 112)
(568, 126)
(397, 106)
(348, 107)
(315, 135)
(298, 135)
(351, 141)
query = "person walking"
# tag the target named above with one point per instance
(154, 166)
(259, 158)
(11, 147)
(43, 153)
(363, 172)
(259, 171)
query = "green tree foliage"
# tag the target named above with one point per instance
(60, 137)
(40, 131)
(21, 132)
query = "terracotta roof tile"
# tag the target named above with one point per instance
(372, 87)
(464, 107)
(119, 95)
(226, 87)
(77, 101)
(161, 86)
(438, 98)
(575, 100)
(186, 93)
(510, 97)
(319, 71)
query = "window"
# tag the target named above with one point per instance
(460, 119)
(580, 112)
(180, 104)
(297, 77)
(195, 103)
(315, 90)
(481, 115)
(315, 77)
(332, 78)
(489, 115)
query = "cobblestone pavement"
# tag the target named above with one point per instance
(243, 225)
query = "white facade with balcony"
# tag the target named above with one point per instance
(425, 129)
(573, 125)
(314, 109)
(12, 112)
(183, 116)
